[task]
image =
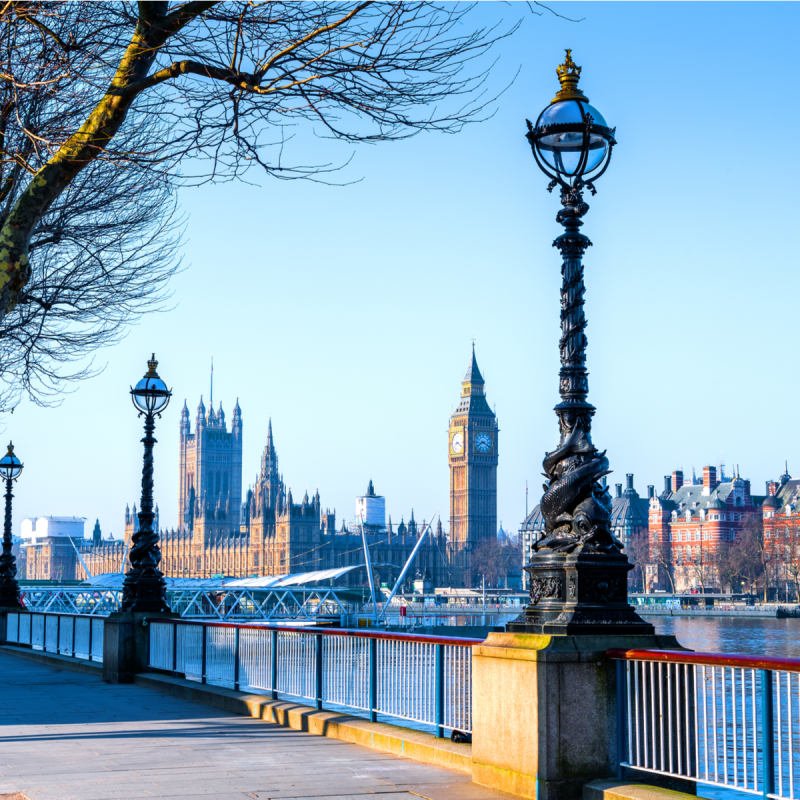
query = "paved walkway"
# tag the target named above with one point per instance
(68, 736)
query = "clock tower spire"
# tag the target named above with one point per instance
(472, 456)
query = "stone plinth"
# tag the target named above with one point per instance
(545, 711)
(125, 645)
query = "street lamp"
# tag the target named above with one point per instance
(10, 469)
(578, 572)
(144, 587)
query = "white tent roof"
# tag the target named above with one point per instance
(113, 580)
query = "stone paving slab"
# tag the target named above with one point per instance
(69, 736)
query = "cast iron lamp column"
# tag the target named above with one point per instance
(144, 588)
(10, 469)
(578, 572)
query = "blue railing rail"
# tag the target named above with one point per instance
(415, 678)
(713, 718)
(76, 635)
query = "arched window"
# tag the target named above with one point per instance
(224, 483)
(216, 491)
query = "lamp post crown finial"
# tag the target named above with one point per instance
(151, 366)
(10, 449)
(569, 73)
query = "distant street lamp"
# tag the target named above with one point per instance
(578, 572)
(144, 588)
(10, 469)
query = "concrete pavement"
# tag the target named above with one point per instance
(69, 736)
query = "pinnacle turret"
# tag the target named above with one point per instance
(473, 374)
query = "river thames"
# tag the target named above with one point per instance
(764, 636)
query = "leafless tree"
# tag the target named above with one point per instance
(639, 555)
(224, 87)
(102, 253)
(661, 554)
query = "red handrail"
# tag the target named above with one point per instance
(405, 637)
(708, 659)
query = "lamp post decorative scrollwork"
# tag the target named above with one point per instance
(10, 469)
(578, 572)
(144, 587)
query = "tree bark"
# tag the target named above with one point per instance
(152, 29)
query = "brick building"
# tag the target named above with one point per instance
(689, 522)
(781, 520)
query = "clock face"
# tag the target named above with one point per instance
(483, 442)
(457, 442)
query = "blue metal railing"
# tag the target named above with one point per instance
(723, 720)
(74, 635)
(423, 680)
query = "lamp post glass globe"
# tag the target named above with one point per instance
(150, 395)
(571, 139)
(10, 465)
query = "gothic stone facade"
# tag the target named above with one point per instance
(270, 533)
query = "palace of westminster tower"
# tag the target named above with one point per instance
(269, 533)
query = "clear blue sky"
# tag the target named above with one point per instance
(346, 313)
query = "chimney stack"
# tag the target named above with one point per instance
(709, 479)
(629, 481)
(651, 491)
(619, 489)
(677, 480)
(667, 484)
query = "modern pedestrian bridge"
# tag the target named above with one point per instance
(530, 705)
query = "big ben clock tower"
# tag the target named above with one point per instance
(472, 455)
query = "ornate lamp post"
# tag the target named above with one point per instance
(578, 572)
(10, 469)
(144, 588)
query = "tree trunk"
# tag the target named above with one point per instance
(76, 153)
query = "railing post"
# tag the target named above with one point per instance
(58, 633)
(318, 671)
(767, 734)
(91, 630)
(74, 623)
(235, 659)
(174, 649)
(621, 719)
(203, 656)
(373, 680)
(274, 677)
(439, 695)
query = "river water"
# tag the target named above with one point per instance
(763, 636)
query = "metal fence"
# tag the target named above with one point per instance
(420, 679)
(725, 720)
(74, 635)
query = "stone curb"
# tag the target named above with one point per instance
(54, 660)
(392, 739)
(615, 790)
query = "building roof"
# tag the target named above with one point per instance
(789, 492)
(114, 580)
(630, 510)
(473, 374)
(534, 521)
(690, 497)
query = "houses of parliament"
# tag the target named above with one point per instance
(274, 533)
